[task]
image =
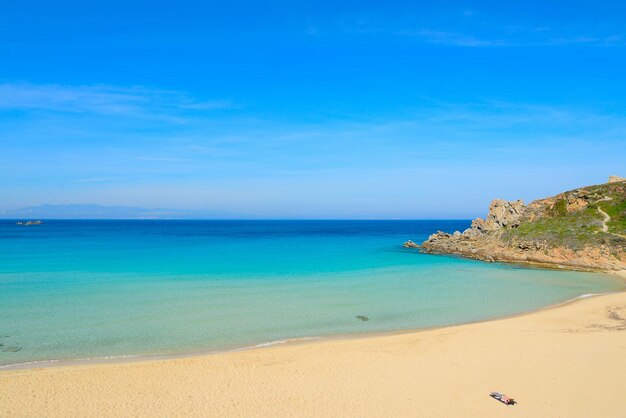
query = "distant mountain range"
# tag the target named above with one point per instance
(92, 211)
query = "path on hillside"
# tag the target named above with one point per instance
(607, 218)
(605, 227)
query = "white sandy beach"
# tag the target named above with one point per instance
(566, 361)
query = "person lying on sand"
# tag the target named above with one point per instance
(502, 398)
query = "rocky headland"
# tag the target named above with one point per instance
(581, 229)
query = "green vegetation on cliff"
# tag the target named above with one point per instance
(617, 211)
(576, 219)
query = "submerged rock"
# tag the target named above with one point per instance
(12, 349)
(362, 318)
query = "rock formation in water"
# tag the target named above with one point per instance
(410, 244)
(583, 229)
(29, 223)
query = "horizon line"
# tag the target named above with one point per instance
(237, 219)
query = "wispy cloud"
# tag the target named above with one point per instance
(98, 179)
(164, 159)
(452, 38)
(512, 40)
(534, 37)
(102, 100)
(613, 40)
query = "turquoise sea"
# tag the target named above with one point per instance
(102, 289)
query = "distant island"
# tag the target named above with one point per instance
(581, 229)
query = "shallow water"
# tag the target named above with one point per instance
(90, 289)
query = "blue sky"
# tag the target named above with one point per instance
(309, 109)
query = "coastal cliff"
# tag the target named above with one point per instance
(583, 228)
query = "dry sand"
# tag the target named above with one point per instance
(568, 361)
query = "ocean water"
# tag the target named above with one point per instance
(95, 289)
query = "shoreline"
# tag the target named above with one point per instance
(286, 342)
(562, 360)
(524, 263)
(139, 358)
(147, 358)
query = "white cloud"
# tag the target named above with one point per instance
(613, 40)
(164, 159)
(98, 179)
(101, 100)
(452, 38)
(464, 40)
